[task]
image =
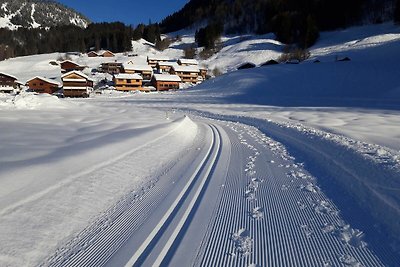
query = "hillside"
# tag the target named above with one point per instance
(36, 13)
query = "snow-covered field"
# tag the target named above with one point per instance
(283, 165)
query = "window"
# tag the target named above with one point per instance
(128, 81)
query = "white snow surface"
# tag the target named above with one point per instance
(64, 161)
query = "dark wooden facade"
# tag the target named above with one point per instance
(67, 66)
(165, 82)
(111, 67)
(7, 83)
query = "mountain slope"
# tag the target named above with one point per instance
(35, 13)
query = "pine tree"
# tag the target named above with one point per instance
(396, 15)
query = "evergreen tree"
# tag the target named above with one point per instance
(396, 14)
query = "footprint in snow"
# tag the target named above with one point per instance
(257, 213)
(350, 261)
(243, 242)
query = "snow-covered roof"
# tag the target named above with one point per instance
(101, 52)
(129, 76)
(77, 64)
(79, 73)
(45, 80)
(157, 58)
(137, 67)
(8, 75)
(167, 63)
(167, 78)
(188, 61)
(186, 68)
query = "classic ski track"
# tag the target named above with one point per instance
(96, 244)
(187, 194)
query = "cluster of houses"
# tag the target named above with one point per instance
(159, 74)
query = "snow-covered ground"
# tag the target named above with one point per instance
(68, 166)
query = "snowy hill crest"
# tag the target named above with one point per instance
(35, 13)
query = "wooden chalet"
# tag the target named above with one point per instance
(164, 82)
(92, 54)
(128, 82)
(188, 62)
(188, 74)
(8, 83)
(145, 71)
(43, 85)
(153, 60)
(111, 67)
(101, 53)
(106, 53)
(68, 65)
(76, 84)
(165, 66)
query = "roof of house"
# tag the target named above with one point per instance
(129, 76)
(8, 75)
(157, 58)
(51, 81)
(188, 61)
(181, 68)
(137, 67)
(167, 63)
(92, 52)
(79, 73)
(167, 78)
(77, 64)
(101, 52)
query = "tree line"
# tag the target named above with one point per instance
(116, 37)
(292, 21)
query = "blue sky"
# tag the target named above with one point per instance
(127, 11)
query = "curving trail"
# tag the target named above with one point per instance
(239, 200)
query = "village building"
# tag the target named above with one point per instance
(203, 73)
(188, 74)
(165, 66)
(153, 60)
(145, 71)
(92, 54)
(164, 82)
(68, 65)
(188, 62)
(76, 84)
(106, 53)
(8, 83)
(111, 67)
(128, 82)
(101, 53)
(43, 85)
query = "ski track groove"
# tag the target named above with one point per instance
(286, 235)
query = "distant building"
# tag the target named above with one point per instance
(153, 60)
(43, 85)
(145, 71)
(188, 62)
(8, 83)
(128, 82)
(101, 53)
(188, 74)
(203, 73)
(163, 82)
(165, 66)
(68, 65)
(76, 84)
(92, 54)
(111, 67)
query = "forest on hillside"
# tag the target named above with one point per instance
(293, 21)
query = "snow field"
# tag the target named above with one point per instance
(56, 205)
